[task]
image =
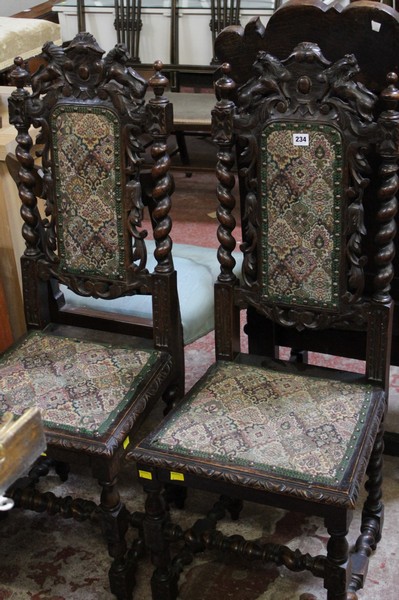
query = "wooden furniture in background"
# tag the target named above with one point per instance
(11, 242)
(42, 10)
(279, 433)
(223, 14)
(191, 117)
(128, 25)
(193, 32)
(6, 338)
(81, 15)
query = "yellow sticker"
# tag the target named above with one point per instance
(176, 476)
(43, 454)
(145, 474)
(126, 443)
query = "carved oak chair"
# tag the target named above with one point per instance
(94, 375)
(369, 30)
(294, 436)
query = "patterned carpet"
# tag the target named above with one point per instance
(45, 558)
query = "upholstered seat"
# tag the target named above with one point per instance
(85, 385)
(191, 111)
(197, 270)
(233, 420)
(25, 38)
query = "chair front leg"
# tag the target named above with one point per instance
(165, 578)
(114, 523)
(338, 568)
(372, 516)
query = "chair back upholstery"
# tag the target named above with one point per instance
(92, 238)
(304, 131)
(90, 113)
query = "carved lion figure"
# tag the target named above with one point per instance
(341, 76)
(269, 73)
(116, 62)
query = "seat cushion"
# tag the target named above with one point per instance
(191, 110)
(79, 386)
(25, 37)
(197, 270)
(269, 422)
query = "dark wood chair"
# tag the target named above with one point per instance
(94, 374)
(253, 428)
(370, 30)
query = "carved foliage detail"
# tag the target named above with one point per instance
(79, 75)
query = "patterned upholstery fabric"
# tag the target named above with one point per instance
(301, 189)
(253, 405)
(78, 385)
(87, 159)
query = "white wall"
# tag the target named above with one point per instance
(8, 8)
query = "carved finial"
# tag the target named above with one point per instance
(390, 95)
(389, 186)
(158, 81)
(159, 125)
(19, 75)
(225, 85)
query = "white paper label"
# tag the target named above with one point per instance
(300, 139)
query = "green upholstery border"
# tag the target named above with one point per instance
(279, 423)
